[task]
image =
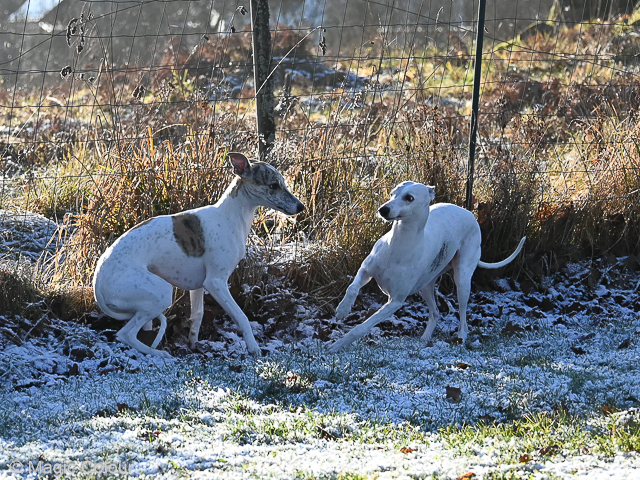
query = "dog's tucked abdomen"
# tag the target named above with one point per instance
(188, 276)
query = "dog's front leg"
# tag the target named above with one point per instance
(361, 279)
(197, 312)
(361, 330)
(220, 291)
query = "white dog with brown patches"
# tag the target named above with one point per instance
(192, 250)
(423, 243)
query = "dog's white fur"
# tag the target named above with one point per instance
(424, 242)
(192, 250)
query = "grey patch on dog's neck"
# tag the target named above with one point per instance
(188, 233)
(442, 254)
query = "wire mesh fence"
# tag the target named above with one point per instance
(115, 111)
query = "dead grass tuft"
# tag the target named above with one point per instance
(19, 290)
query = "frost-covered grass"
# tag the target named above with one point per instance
(528, 406)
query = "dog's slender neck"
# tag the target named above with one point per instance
(408, 227)
(239, 204)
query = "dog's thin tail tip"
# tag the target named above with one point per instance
(507, 260)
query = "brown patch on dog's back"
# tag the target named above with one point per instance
(188, 233)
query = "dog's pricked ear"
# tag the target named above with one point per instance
(241, 164)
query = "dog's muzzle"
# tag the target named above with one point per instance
(384, 212)
(299, 207)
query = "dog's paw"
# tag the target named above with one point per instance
(254, 350)
(161, 354)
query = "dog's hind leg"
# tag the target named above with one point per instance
(361, 330)
(428, 294)
(161, 330)
(148, 296)
(197, 312)
(220, 291)
(462, 275)
(360, 280)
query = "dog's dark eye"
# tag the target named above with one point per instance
(408, 198)
(274, 186)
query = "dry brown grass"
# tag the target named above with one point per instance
(558, 159)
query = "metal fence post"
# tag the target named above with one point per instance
(265, 100)
(475, 100)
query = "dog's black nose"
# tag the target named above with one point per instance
(384, 211)
(300, 207)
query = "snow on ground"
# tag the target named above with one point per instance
(74, 402)
(71, 396)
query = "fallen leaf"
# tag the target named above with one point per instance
(123, 407)
(325, 433)
(407, 450)
(548, 451)
(454, 393)
(466, 476)
(625, 343)
(607, 410)
(463, 365)
(525, 458)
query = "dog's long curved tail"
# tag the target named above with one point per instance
(506, 261)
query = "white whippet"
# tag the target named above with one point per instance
(192, 250)
(424, 242)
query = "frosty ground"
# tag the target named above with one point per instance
(546, 388)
